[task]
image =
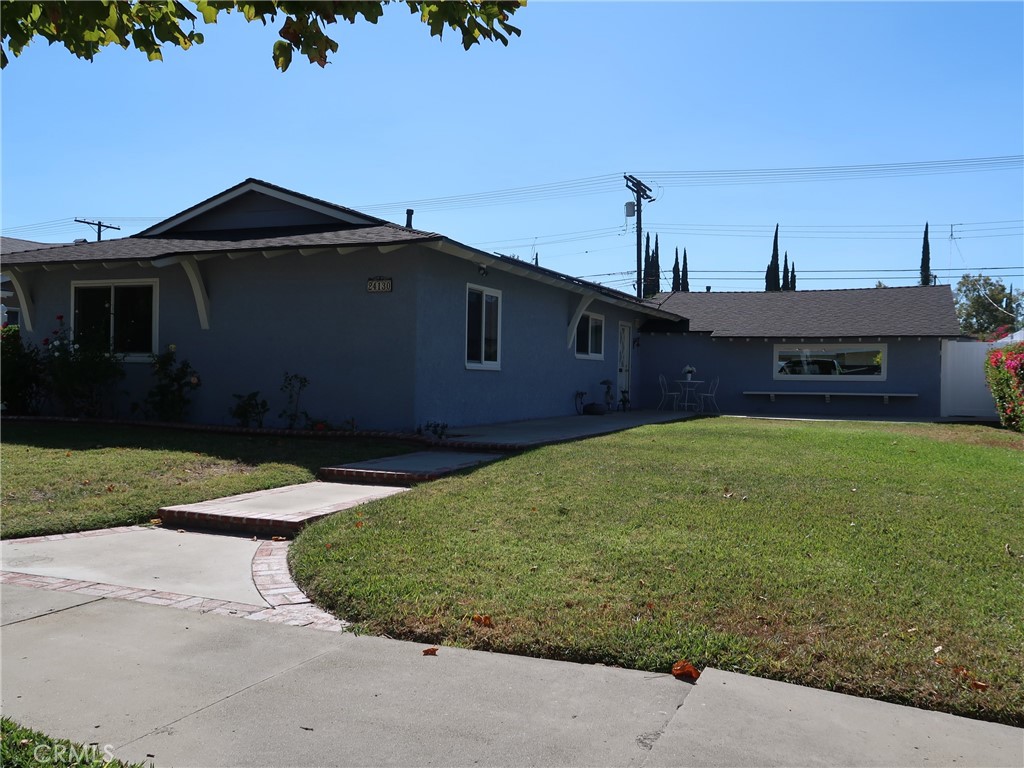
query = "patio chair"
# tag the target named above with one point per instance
(667, 394)
(706, 400)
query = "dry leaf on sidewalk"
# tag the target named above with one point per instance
(685, 671)
(431, 651)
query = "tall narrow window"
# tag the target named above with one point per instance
(483, 328)
(590, 337)
(118, 317)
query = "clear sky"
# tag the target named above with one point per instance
(590, 91)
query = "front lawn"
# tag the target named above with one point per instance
(57, 477)
(874, 559)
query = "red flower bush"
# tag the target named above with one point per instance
(1004, 372)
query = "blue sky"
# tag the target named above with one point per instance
(589, 92)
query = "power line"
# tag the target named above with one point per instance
(609, 182)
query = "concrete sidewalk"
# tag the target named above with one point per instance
(180, 688)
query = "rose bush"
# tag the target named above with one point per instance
(1004, 372)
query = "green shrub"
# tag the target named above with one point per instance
(1004, 372)
(21, 373)
(81, 377)
(168, 399)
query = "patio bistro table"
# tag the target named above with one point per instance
(689, 387)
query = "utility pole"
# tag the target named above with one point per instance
(100, 226)
(642, 192)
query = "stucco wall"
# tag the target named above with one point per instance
(392, 360)
(747, 365)
(539, 371)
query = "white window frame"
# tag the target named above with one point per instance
(482, 365)
(591, 318)
(154, 283)
(828, 351)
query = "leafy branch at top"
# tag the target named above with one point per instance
(85, 28)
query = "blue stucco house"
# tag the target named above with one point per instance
(393, 327)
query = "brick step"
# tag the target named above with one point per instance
(275, 512)
(398, 478)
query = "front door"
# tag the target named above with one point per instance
(625, 355)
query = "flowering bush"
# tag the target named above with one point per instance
(21, 373)
(168, 399)
(81, 377)
(1004, 372)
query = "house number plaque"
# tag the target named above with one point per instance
(378, 285)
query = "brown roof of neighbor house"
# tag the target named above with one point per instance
(911, 311)
(15, 244)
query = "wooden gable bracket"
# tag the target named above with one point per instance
(585, 301)
(24, 300)
(195, 279)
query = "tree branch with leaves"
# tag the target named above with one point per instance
(84, 28)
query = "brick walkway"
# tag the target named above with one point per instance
(288, 604)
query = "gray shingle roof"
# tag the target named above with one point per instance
(910, 311)
(149, 248)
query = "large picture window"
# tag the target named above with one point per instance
(483, 328)
(116, 316)
(590, 336)
(817, 362)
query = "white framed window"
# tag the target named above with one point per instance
(483, 328)
(119, 315)
(820, 362)
(590, 337)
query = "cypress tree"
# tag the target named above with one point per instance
(684, 278)
(656, 269)
(774, 281)
(785, 272)
(647, 266)
(926, 259)
(792, 276)
(675, 273)
(768, 277)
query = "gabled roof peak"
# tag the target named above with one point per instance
(295, 206)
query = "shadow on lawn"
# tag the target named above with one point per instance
(308, 451)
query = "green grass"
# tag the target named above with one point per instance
(57, 478)
(22, 747)
(836, 555)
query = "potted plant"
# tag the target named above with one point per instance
(688, 371)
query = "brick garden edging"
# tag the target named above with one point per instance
(288, 604)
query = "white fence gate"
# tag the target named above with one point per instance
(965, 395)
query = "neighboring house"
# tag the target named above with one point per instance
(392, 326)
(871, 352)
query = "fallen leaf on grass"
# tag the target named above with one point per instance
(483, 621)
(978, 685)
(87, 482)
(110, 488)
(431, 651)
(156, 521)
(685, 671)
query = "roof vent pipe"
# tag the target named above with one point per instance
(408, 218)
(707, 289)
